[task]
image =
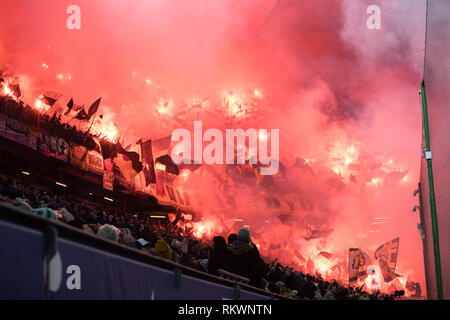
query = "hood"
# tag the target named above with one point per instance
(163, 250)
(239, 247)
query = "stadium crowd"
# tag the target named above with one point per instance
(237, 254)
(51, 124)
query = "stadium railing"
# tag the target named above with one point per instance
(45, 259)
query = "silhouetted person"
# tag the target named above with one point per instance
(219, 257)
(232, 237)
(246, 260)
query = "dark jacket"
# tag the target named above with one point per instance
(219, 257)
(247, 262)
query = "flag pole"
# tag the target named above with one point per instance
(434, 223)
(424, 245)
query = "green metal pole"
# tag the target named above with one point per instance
(434, 223)
(424, 245)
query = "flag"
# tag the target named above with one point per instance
(310, 266)
(170, 166)
(69, 106)
(147, 162)
(133, 157)
(395, 285)
(98, 145)
(125, 167)
(108, 180)
(82, 115)
(160, 186)
(299, 257)
(54, 110)
(144, 150)
(109, 149)
(325, 254)
(14, 86)
(112, 150)
(50, 98)
(362, 273)
(356, 262)
(324, 261)
(386, 254)
(161, 146)
(93, 108)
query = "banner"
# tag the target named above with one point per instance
(59, 149)
(124, 172)
(35, 139)
(386, 255)
(44, 143)
(17, 131)
(94, 162)
(88, 160)
(362, 274)
(175, 196)
(78, 155)
(108, 180)
(147, 175)
(355, 261)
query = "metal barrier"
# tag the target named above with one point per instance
(45, 259)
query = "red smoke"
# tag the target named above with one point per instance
(340, 94)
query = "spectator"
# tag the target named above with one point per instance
(246, 260)
(109, 232)
(68, 218)
(220, 256)
(127, 238)
(20, 203)
(232, 238)
(87, 229)
(163, 250)
(46, 213)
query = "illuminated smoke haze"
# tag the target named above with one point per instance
(325, 80)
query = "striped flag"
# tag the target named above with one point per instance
(386, 254)
(357, 264)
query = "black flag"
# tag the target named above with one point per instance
(147, 161)
(171, 167)
(69, 106)
(93, 108)
(50, 98)
(14, 86)
(82, 115)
